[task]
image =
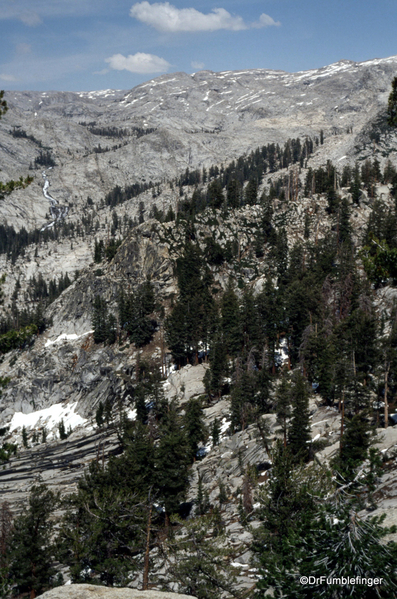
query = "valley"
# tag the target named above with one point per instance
(198, 327)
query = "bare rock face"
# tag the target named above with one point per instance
(177, 121)
(89, 591)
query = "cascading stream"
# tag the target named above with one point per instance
(56, 210)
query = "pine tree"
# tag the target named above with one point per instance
(100, 319)
(283, 405)
(215, 432)
(3, 104)
(62, 430)
(230, 321)
(233, 194)
(299, 436)
(172, 463)
(194, 425)
(392, 105)
(199, 565)
(358, 436)
(6, 529)
(251, 192)
(203, 501)
(25, 437)
(32, 558)
(344, 545)
(288, 513)
(99, 415)
(105, 525)
(218, 367)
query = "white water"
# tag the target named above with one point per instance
(57, 211)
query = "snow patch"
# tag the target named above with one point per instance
(65, 337)
(49, 418)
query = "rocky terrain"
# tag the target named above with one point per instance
(153, 133)
(193, 121)
(86, 591)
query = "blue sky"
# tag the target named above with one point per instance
(99, 44)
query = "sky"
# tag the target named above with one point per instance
(82, 45)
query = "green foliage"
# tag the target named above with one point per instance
(62, 430)
(99, 415)
(202, 500)
(102, 533)
(6, 526)
(213, 252)
(194, 425)
(230, 322)
(10, 186)
(173, 458)
(299, 436)
(25, 437)
(105, 528)
(215, 432)
(198, 563)
(345, 545)
(355, 443)
(104, 525)
(17, 339)
(32, 555)
(110, 249)
(380, 262)
(134, 311)
(44, 159)
(103, 323)
(7, 450)
(3, 104)
(194, 316)
(392, 105)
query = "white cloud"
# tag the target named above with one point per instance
(163, 16)
(197, 65)
(138, 63)
(23, 48)
(265, 21)
(30, 18)
(5, 77)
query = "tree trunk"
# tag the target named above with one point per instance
(342, 422)
(386, 402)
(145, 584)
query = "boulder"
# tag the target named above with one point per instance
(90, 591)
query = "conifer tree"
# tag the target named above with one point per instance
(299, 435)
(194, 425)
(343, 544)
(172, 463)
(218, 367)
(6, 529)
(392, 105)
(233, 193)
(215, 432)
(32, 557)
(100, 319)
(62, 430)
(230, 321)
(104, 527)
(199, 565)
(283, 405)
(25, 437)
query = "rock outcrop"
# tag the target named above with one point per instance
(89, 591)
